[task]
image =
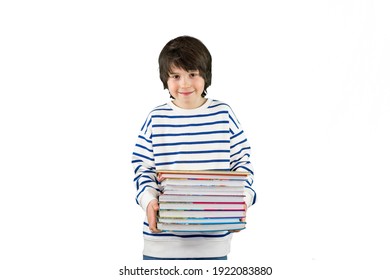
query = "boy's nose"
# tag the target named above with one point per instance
(185, 82)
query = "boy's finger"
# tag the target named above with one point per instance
(153, 225)
(153, 219)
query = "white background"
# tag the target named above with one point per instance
(308, 80)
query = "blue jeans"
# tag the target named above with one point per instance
(153, 258)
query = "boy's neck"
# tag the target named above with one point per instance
(191, 105)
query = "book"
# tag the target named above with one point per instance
(202, 174)
(200, 227)
(201, 200)
(169, 213)
(202, 192)
(205, 197)
(201, 183)
(189, 220)
(202, 205)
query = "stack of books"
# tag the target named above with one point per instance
(201, 200)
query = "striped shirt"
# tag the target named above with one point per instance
(206, 138)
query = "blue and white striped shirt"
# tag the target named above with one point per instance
(206, 138)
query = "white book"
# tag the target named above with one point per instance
(204, 188)
(199, 220)
(201, 206)
(200, 183)
(190, 191)
(201, 227)
(167, 213)
(201, 174)
(167, 197)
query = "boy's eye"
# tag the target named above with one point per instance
(194, 74)
(175, 77)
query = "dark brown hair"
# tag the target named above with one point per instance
(187, 53)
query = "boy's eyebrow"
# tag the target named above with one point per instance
(173, 73)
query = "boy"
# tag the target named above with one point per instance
(191, 132)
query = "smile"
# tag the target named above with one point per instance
(186, 92)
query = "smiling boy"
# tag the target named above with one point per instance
(186, 88)
(191, 132)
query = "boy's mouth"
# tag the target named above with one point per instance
(186, 92)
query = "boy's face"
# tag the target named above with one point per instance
(186, 88)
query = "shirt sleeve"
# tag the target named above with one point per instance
(240, 152)
(145, 178)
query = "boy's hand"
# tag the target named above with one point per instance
(159, 178)
(151, 214)
(242, 219)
